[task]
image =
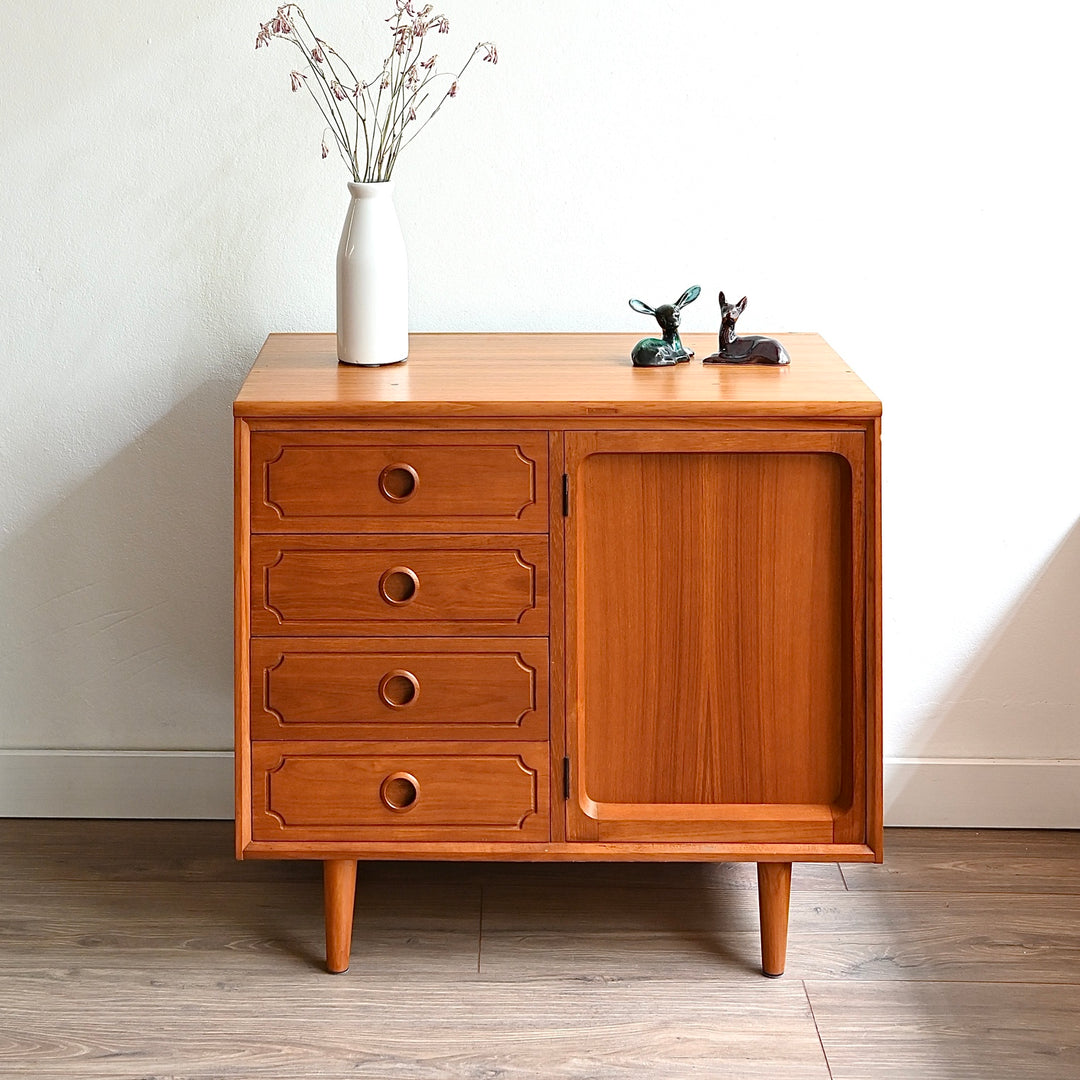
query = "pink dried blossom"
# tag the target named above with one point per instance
(317, 54)
(429, 63)
(298, 80)
(325, 149)
(338, 90)
(491, 54)
(443, 24)
(452, 92)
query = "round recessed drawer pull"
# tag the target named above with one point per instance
(398, 585)
(399, 688)
(400, 791)
(398, 482)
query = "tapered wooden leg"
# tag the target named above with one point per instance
(774, 896)
(339, 893)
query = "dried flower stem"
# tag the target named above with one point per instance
(405, 94)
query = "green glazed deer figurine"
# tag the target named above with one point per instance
(668, 350)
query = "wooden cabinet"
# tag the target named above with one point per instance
(516, 599)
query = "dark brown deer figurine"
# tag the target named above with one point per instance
(752, 349)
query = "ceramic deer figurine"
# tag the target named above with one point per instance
(752, 349)
(668, 350)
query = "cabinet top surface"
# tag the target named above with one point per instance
(569, 375)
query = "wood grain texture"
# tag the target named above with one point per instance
(455, 791)
(51, 850)
(41, 852)
(333, 481)
(1018, 861)
(874, 770)
(740, 540)
(954, 1032)
(711, 591)
(520, 375)
(573, 851)
(557, 634)
(441, 1029)
(342, 688)
(647, 877)
(473, 585)
(241, 632)
(851, 936)
(140, 949)
(145, 929)
(339, 893)
(715, 629)
(774, 896)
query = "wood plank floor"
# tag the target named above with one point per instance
(143, 950)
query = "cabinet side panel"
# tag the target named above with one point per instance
(715, 592)
(875, 796)
(242, 628)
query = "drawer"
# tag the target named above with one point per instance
(329, 688)
(382, 791)
(349, 482)
(379, 586)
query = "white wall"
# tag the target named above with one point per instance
(901, 178)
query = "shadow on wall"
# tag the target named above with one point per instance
(1019, 703)
(118, 617)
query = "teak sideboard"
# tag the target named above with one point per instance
(517, 599)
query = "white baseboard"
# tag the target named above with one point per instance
(982, 793)
(116, 783)
(979, 793)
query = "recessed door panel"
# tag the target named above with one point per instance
(712, 620)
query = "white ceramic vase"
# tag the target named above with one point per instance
(372, 280)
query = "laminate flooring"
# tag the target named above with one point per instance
(143, 950)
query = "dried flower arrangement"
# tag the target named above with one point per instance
(372, 122)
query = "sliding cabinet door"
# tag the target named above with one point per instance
(716, 613)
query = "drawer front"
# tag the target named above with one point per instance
(357, 791)
(328, 688)
(411, 585)
(328, 482)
